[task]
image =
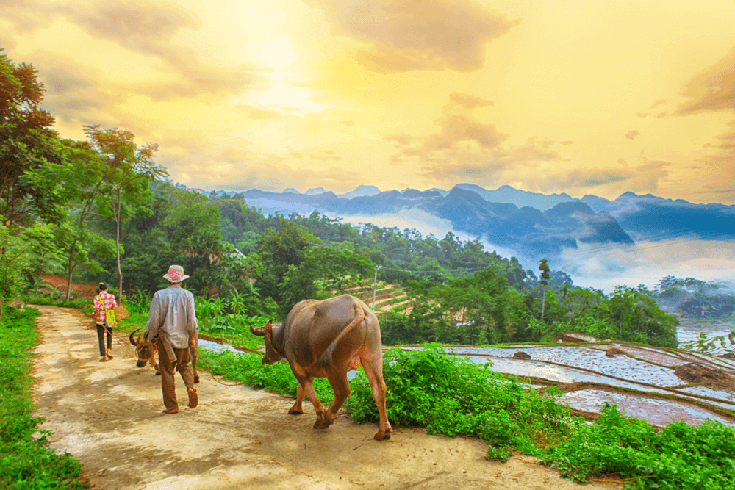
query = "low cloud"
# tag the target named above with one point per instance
(600, 266)
(143, 27)
(440, 35)
(73, 93)
(718, 168)
(149, 29)
(230, 164)
(23, 14)
(712, 90)
(604, 267)
(660, 115)
(467, 149)
(469, 101)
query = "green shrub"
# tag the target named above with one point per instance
(678, 456)
(26, 461)
(456, 397)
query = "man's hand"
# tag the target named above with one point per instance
(192, 340)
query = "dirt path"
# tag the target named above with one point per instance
(108, 416)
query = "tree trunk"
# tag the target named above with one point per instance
(70, 269)
(117, 241)
(543, 305)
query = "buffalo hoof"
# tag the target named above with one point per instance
(196, 379)
(158, 373)
(295, 412)
(382, 436)
(322, 422)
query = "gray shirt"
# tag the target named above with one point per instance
(172, 316)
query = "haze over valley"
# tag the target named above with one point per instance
(600, 243)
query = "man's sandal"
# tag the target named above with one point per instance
(170, 411)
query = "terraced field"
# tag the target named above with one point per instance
(388, 297)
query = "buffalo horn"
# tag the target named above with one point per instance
(260, 331)
(134, 342)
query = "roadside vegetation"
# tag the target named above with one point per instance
(26, 460)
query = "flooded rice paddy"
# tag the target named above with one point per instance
(658, 385)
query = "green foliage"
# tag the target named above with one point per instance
(128, 171)
(26, 143)
(247, 368)
(26, 460)
(678, 456)
(57, 299)
(638, 317)
(454, 396)
(20, 250)
(319, 272)
(234, 327)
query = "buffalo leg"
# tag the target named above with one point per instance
(341, 387)
(297, 408)
(306, 389)
(374, 372)
(154, 364)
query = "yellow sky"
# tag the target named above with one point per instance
(577, 96)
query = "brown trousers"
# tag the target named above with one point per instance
(168, 383)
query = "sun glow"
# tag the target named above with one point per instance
(277, 53)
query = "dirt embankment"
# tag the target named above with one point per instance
(108, 416)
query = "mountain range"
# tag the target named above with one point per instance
(531, 225)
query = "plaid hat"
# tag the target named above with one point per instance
(175, 274)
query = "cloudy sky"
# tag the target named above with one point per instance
(578, 96)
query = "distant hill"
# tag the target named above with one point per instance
(529, 231)
(530, 225)
(653, 218)
(507, 194)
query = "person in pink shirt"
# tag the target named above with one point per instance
(103, 301)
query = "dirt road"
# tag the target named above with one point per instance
(108, 416)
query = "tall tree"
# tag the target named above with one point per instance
(80, 178)
(280, 251)
(26, 143)
(129, 170)
(544, 282)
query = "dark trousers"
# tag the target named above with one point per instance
(168, 383)
(101, 339)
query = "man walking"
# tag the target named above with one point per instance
(172, 323)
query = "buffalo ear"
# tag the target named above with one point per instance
(268, 329)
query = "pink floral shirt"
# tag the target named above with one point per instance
(99, 311)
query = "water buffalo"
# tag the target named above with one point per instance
(147, 351)
(322, 339)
